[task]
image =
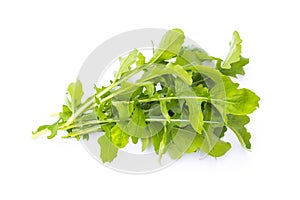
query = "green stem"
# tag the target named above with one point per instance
(90, 102)
(83, 132)
(97, 122)
(161, 99)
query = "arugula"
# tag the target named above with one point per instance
(169, 46)
(234, 52)
(178, 105)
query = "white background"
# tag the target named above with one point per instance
(42, 47)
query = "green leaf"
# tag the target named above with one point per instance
(236, 68)
(216, 91)
(217, 78)
(150, 89)
(66, 113)
(169, 46)
(212, 132)
(138, 117)
(86, 137)
(127, 90)
(235, 51)
(242, 102)
(145, 143)
(191, 55)
(124, 110)
(134, 139)
(181, 142)
(156, 140)
(76, 93)
(136, 126)
(126, 62)
(210, 72)
(108, 150)
(100, 112)
(237, 125)
(53, 129)
(218, 149)
(166, 81)
(164, 142)
(220, 131)
(40, 128)
(118, 137)
(201, 91)
(164, 110)
(196, 144)
(216, 120)
(237, 101)
(188, 57)
(100, 90)
(141, 60)
(194, 105)
(160, 69)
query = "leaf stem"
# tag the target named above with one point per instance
(98, 122)
(90, 102)
(162, 99)
(83, 132)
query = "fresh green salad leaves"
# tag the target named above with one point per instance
(178, 104)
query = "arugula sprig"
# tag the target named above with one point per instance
(178, 104)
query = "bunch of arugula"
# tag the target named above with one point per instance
(179, 104)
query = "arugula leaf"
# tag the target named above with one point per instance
(164, 141)
(149, 89)
(66, 113)
(118, 137)
(236, 68)
(40, 129)
(169, 46)
(136, 125)
(191, 55)
(212, 144)
(126, 62)
(156, 140)
(134, 139)
(141, 60)
(194, 105)
(181, 142)
(165, 110)
(196, 144)
(200, 142)
(138, 117)
(145, 143)
(53, 128)
(237, 125)
(170, 68)
(127, 90)
(237, 101)
(124, 110)
(76, 93)
(201, 91)
(234, 52)
(219, 149)
(108, 150)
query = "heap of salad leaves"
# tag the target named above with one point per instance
(184, 101)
